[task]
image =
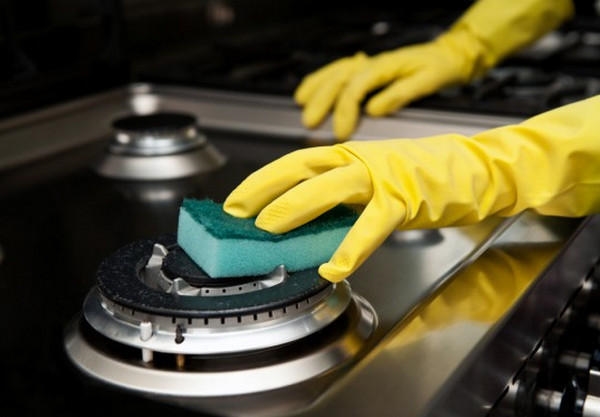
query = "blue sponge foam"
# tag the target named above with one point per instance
(227, 246)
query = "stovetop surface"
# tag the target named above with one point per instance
(59, 219)
(54, 233)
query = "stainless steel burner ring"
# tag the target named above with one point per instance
(159, 146)
(215, 335)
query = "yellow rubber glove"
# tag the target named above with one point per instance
(486, 33)
(549, 163)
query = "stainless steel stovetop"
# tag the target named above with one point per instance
(448, 316)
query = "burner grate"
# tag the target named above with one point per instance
(122, 279)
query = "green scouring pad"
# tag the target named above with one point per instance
(227, 246)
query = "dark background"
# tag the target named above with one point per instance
(54, 50)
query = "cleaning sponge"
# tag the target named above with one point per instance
(227, 246)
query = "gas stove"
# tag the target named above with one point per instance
(105, 314)
(112, 308)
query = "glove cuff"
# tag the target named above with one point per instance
(492, 29)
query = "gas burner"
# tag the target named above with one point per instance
(158, 146)
(157, 324)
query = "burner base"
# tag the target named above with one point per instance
(190, 379)
(165, 167)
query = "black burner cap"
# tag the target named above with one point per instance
(155, 122)
(177, 264)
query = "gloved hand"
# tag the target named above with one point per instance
(550, 163)
(486, 33)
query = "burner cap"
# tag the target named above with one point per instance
(177, 264)
(157, 122)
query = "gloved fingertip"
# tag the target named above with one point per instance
(300, 97)
(345, 118)
(235, 210)
(332, 273)
(378, 107)
(343, 123)
(342, 131)
(342, 136)
(310, 118)
(267, 223)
